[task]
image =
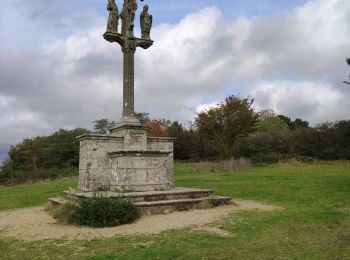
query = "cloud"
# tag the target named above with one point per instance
(291, 62)
(309, 42)
(56, 15)
(204, 107)
(29, 24)
(310, 99)
(18, 122)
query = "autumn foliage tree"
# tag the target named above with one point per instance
(156, 128)
(225, 122)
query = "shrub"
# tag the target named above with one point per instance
(5, 174)
(274, 141)
(65, 213)
(100, 211)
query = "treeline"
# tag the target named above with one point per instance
(43, 157)
(232, 129)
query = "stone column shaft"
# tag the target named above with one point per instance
(128, 84)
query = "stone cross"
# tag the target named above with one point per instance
(128, 43)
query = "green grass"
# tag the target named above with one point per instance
(30, 195)
(315, 222)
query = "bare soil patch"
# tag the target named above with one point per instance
(36, 224)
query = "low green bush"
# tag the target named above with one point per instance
(65, 213)
(100, 211)
(266, 158)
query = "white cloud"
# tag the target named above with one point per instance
(308, 42)
(204, 107)
(313, 101)
(17, 122)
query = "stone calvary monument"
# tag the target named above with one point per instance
(126, 162)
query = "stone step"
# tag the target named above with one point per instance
(165, 206)
(155, 202)
(58, 200)
(168, 206)
(147, 196)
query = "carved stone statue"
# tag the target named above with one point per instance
(146, 23)
(112, 25)
(128, 17)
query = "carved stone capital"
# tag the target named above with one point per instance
(128, 44)
(144, 43)
(114, 37)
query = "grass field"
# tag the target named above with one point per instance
(315, 222)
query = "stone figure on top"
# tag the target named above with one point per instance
(112, 25)
(146, 23)
(128, 17)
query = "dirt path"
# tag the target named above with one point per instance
(36, 224)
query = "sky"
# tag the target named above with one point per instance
(57, 71)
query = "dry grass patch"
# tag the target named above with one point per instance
(222, 166)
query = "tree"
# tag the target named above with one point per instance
(58, 150)
(230, 119)
(61, 149)
(342, 135)
(287, 120)
(299, 123)
(268, 120)
(142, 117)
(25, 156)
(156, 128)
(270, 141)
(188, 144)
(102, 126)
(296, 124)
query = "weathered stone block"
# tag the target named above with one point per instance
(125, 160)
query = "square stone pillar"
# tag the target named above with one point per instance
(125, 160)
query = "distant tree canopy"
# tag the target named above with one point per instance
(102, 126)
(142, 116)
(297, 123)
(268, 120)
(42, 157)
(230, 119)
(59, 150)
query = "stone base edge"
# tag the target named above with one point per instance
(153, 187)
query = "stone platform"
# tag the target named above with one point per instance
(127, 164)
(156, 202)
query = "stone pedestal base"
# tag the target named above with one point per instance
(125, 160)
(155, 202)
(128, 164)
